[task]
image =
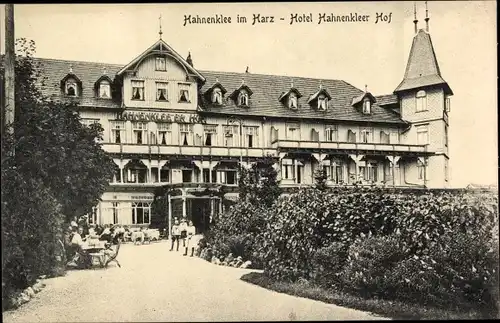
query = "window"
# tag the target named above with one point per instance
(421, 170)
(292, 101)
(335, 172)
(117, 132)
(136, 175)
(228, 177)
(71, 88)
(137, 90)
(141, 212)
(115, 212)
(322, 102)
(161, 91)
(446, 135)
(210, 132)
(243, 98)
(251, 137)
(229, 135)
(187, 175)
(287, 169)
(161, 64)
(217, 96)
(104, 89)
(446, 171)
(117, 175)
(394, 137)
(422, 135)
(140, 130)
(293, 131)
(366, 136)
(367, 106)
(206, 175)
(421, 101)
(351, 136)
(164, 175)
(92, 216)
(369, 172)
(384, 137)
(186, 131)
(164, 133)
(331, 133)
(184, 93)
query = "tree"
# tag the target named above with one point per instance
(59, 171)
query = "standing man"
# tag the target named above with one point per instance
(183, 228)
(176, 234)
(190, 232)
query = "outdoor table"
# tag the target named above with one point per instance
(95, 249)
(136, 235)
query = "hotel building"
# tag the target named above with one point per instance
(168, 124)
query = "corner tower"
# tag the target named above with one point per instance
(424, 98)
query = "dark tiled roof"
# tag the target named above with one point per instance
(268, 89)
(263, 102)
(422, 69)
(387, 99)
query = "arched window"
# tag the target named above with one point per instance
(292, 101)
(71, 88)
(243, 99)
(367, 106)
(104, 89)
(421, 101)
(217, 96)
(322, 102)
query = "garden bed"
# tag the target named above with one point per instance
(390, 309)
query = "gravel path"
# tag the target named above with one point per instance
(154, 284)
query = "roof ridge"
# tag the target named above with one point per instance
(76, 61)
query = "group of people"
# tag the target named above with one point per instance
(76, 237)
(186, 232)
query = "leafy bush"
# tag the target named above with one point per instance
(328, 263)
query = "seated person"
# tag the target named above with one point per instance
(139, 236)
(76, 245)
(106, 234)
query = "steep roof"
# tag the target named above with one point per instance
(268, 88)
(422, 69)
(263, 103)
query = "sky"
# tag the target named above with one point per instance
(361, 53)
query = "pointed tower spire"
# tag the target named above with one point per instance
(189, 60)
(160, 32)
(415, 20)
(426, 18)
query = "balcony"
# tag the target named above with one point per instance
(188, 150)
(347, 147)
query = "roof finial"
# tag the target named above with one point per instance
(247, 70)
(160, 32)
(415, 20)
(71, 68)
(216, 80)
(104, 70)
(320, 84)
(242, 81)
(426, 18)
(366, 88)
(292, 84)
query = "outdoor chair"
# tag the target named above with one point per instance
(114, 256)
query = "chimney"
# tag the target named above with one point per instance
(189, 60)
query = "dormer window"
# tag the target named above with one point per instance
(105, 90)
(292, 101)
(161, 64)
(217, 96)
(367, 108)
(322, 102)
(243, 99)
(71, 88)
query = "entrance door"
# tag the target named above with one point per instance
(200, 214)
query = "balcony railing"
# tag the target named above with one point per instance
(188, 150)
(322, 145)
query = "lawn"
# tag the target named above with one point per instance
(390, 309)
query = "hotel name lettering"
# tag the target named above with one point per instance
(162, 117)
